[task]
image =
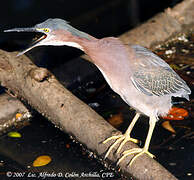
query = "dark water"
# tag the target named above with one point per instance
(69, 159)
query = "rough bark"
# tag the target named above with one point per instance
(162, 26)
(43, 92)
(9, 107)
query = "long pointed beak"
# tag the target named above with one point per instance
(21, 30)
(34, 44)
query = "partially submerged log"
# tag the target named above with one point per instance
(9, 107)
(162, 26)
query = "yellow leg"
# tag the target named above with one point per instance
(140, 151)
(122, 138)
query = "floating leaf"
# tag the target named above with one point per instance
(116, 120)
(67, 146)
(41, 161)
(167, 126)
(14, 134)
(18, 115)
(176, 114)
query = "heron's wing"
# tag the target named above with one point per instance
(148, 58)
(153, 76)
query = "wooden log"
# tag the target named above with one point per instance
(9, 107)
(163, 25)
(43, 92)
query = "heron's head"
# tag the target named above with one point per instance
(55, 32)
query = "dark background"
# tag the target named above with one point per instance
(97, 17)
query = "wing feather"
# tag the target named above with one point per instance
(153, 76)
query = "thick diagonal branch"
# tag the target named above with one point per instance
(43, 92)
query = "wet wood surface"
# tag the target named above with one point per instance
(68, 113)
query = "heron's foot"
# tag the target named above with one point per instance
(119, 138)
(137, 151)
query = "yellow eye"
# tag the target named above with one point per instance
(46, 30)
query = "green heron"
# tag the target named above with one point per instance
(142, 79)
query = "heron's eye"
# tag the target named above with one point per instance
(46, 30)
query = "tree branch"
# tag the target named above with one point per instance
(43, 92)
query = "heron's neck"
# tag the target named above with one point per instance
(86, 43)
(74, 44)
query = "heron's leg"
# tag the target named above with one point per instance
(124, 137)
(140, 151)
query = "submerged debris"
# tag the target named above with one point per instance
(42, 161)
(14, 134)
(176, 114)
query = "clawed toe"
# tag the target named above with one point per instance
(126, 137)
(119, 138)
(112, 138)
(137, 151)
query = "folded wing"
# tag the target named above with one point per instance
(153, 76)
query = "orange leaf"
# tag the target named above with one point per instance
(41, 161)
(67, 146)
(176, 114)
(116, 120)
(18, 115)
(167, 126)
